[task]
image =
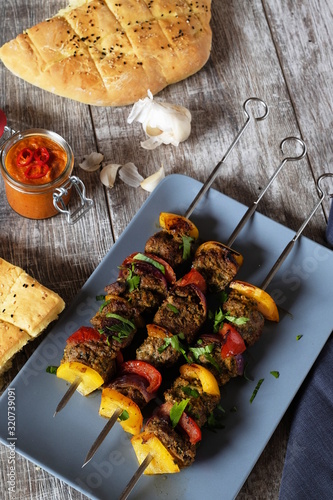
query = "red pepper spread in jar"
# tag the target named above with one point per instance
(36, 160)
(34, 164)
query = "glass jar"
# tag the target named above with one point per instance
(31, 195)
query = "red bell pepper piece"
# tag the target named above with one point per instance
(195, 278)
(84, 334)
(190, 427)
(234, 343)
(145, 370)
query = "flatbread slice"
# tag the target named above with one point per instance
(12, 339)
(30, 306)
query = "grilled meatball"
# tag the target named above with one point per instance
(166, 246)
(148, 292)
(240, 306)
(179, 446)
(200, 405)
(98, 355)
(109, 325)
(183, 311)
(228, 368)
(119, 287)
(217, 264)
(152, 351)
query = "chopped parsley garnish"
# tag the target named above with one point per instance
(175, 343)
(257, 387)
(100, 297)
(122, 329)
(105, 303)
(190, 391)
(132, 280)
(144, 258)
(176, 412)
(299, 337)
(275, 373)
(52, 369)
(186, 246)
(220, 316)
(215, 419)
(206, 352)
(124, 415)
(173, 308)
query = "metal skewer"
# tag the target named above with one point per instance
(254, 206)
(104, 432)
(264, 285)
(292, 242)
(68, 394)
(214, 173)
(97, 443)
(201, 193)
(136, 476)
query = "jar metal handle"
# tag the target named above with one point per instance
(85, 203)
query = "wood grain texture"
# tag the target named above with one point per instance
(278, 51)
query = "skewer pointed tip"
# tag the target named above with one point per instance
(136, 476)
(102, 435)
(68, 394)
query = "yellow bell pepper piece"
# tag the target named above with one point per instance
(162, 461)
(91, 379)
(112, 400)
(158, 332)
(179, 224)
(207, 379)
(265, 303)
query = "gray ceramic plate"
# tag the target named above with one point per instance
(224, 459)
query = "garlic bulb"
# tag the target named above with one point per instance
(164, 123)
(92, 162)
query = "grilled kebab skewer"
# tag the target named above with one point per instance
(144, 443)
(182, 314)
(76, 381)
(142, 284)
(207, 255)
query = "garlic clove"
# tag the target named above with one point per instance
(150, 183)
(92, 162)
(108, 174)
(130, 175)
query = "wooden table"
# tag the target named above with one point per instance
(278, 51)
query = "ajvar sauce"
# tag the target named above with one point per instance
(30, 186)
(56, 162)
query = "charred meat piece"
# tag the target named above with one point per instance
(217, 263)
(200, 404)
(241, 306)
(142, 284)
(183, 311)
(166, 246)
(118, 321)
(178, 445)
(96, 354)
(153, 351)
(222, 369)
